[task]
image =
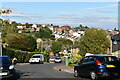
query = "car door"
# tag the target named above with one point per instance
(83, 66)
(90, 64)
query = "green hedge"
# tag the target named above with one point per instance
(22, 56)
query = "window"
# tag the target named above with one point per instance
(91, 59)
(108, 58)
(36, 57)
(5, 60)
(84, 60)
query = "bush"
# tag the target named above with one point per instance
(22, 56)
(74, 59)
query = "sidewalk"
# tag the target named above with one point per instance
(22, 63)
(64, 68)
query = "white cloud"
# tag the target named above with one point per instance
(107, 6)
(21, 15)
(104, 12)
(60, 0)
(13, 14)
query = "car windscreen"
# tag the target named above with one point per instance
(52, 57)
(107, 59)
(57, 58)
(5, 60)
(35, 56)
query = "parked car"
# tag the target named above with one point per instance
(58, 60)
(51, 59)
(37, 58)
(97, 66)
(7, 70)
(66, 57)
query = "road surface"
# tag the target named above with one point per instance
(43, 71)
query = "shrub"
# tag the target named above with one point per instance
(22, 56)
(74, 59)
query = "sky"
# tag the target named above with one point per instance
(60, 0)
(92, 14)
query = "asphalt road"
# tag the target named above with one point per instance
(42, 71)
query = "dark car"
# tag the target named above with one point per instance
(7, 70)
(98, 66)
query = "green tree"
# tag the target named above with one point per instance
(28, 25)
(94, 41)
(44, 33)
(8, 28)
(65, 41)
(56, 47)
(5, 11)
(21, 42)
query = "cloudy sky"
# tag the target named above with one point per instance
(93, 14)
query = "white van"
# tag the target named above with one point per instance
(37, 58)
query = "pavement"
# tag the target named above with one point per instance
(64, 68)
(29, 63)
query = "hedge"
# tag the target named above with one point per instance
(22, 56)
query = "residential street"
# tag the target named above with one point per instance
(43, 71)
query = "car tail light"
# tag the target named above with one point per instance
(98, 63)
(99, 72)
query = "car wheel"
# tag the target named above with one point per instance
(13, 77)
(40, 62)
(76, 73)
(93, 76)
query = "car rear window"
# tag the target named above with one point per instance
(107, 59)
(57, 58)
(52, 58)
(5, 60)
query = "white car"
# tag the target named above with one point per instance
(58, 60)
(52, 59)
(37, 58)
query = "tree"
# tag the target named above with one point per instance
(44, 33)
(56, 47)
(21, 42)
(94, 41)
(65, 41)
(8, 28)
(28, 25)
(5, 11)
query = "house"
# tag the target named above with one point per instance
(21, 26)
(112, 33)
(58, 30)
(116, 44)
(51, 28)
(34, 26)
(38, 42)
(65, 27)
(38, 28)
(77, 28)
(71, 31)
